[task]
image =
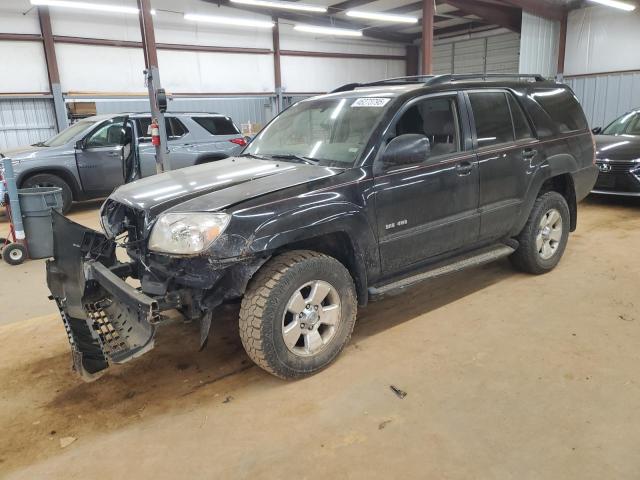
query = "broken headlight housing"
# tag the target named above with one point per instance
(186, 233)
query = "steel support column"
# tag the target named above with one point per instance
(52, 68)
(562, 45)
(428, 10)
(276, 64)
(152, 78)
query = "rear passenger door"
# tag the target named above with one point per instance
(504, 142)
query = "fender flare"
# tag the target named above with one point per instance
(64, 174)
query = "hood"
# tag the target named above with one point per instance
(22, 153)
(216, 185)
(617, 147)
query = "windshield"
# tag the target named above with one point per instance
(328, 131)
(68, 134)
(628, 124)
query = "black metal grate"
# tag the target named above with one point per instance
(110, 338)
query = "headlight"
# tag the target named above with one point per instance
(186, 233)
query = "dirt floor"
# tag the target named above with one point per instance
(508, 376)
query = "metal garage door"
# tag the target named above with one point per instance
(25, 121)
(495, 54)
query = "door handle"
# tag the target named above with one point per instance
(529, 153)
(464, 168)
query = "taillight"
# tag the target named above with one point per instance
(239, 141)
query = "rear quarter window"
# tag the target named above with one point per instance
(563, 109)
(217, 125)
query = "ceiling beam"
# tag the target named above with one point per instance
(541, 8)
(507, 17)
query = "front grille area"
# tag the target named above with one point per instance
(110, 339)
(618, 166)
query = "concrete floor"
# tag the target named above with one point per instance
(508, 376)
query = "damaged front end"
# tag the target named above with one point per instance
(107, 319)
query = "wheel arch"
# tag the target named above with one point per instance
(68, 177)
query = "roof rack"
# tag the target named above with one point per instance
(439, 79)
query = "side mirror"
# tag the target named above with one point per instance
(597, 130)
(407, 149)
(80, 145)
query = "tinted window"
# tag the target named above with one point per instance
(217, 125)
(177, 128)
(492, 118)
(143, 129)
(436, 119)
(563, 108)
(109, 134)
(520, 124)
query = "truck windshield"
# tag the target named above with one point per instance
(68, 134)
(328, 131)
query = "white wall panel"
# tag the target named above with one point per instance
(503, 53)
(539, 45)
(601, 39)
(215, 72)
(307, 74)
(469, 56)
(82, 23)
(23, 67)
(25, 121)
(605, 97)
(12, 19)
(88, 68)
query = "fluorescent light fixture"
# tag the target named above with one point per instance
(383, 17)
(86, 6)
(242, 22)
(283, 5)
(328, 30)
(616, 4)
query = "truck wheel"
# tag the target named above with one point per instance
(298, 313)
(14, 254)
(544, 237)
(50, 180)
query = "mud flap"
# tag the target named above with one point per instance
(106, 319)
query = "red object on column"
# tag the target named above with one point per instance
(155, 133)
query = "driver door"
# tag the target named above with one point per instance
(428, 208)
(100, 156)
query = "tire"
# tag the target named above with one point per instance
(285, 285)
(50, 180)
(541, 248)
(14, 254)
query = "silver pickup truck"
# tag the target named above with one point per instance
(97, 154)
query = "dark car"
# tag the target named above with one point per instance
(618, 156)
(341, 199)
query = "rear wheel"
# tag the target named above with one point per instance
(544, 236)
(298, 313)
(50, 180)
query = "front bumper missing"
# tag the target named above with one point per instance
(106, 319)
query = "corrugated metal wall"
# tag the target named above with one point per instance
(240, 109)
(539, 45)
(25, 121)
(606, 97)
(492, 54)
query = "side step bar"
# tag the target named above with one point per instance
(473, 259)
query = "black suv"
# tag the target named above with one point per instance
(342, 198)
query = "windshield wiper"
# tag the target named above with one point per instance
(253, 155)
(39, 144)
(300, 158)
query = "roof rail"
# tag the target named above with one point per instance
(438, 79)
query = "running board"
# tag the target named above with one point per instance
(474, 259)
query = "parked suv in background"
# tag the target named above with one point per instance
(618, 156)
(342, 198)
(92, 157)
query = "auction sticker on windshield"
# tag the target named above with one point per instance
(370, 102)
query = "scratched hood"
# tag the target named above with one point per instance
(618, 147)
(216, 185)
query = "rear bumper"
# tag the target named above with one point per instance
(106, 319)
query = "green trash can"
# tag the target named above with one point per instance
(36, 205)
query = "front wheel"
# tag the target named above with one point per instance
(298, 313)
(544, 236)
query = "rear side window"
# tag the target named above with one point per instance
(563, 109)
(492, 118)
(217, 125)
(521, 127)
(175, 128)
